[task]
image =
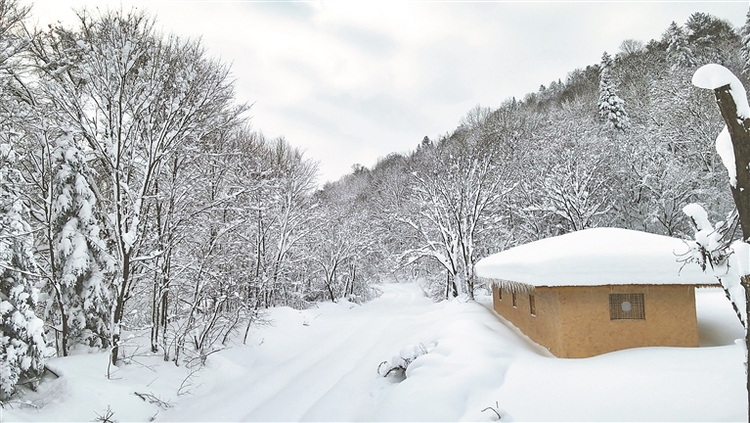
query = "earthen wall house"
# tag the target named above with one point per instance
(608, 296)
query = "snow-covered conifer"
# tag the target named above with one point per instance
(611, 106)
(80, 259)
(21, 331)
(678, 50)
(22, 341)
(745, 49)
(708, 35)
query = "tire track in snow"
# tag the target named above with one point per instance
(341, 345)
(352, 354)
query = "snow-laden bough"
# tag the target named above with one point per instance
(713, 76)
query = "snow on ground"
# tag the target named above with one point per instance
(321, 364)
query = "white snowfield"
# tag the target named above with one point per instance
(595, 257)
(321, 364)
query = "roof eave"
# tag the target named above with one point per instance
(509, 285)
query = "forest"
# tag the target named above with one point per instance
(135, 194)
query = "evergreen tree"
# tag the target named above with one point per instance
(80, 260)
(745, 49)
(708, 34)
(678, 50)
(22, 341)
(611, 106)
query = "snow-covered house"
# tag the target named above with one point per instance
(597, 290)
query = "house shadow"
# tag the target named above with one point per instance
(718, 325)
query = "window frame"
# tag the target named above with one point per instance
(617, 310)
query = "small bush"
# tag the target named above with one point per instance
(398, 364)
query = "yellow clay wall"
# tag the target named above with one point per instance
(575, 321)
(544, 327)
(587, 329)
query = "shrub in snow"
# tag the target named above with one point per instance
(399, 363)
(709, 248)
(106, 416)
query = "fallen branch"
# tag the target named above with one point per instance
(153, 399)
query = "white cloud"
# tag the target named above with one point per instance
(353, 81)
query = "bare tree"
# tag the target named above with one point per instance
(454, 191)
(133, 98)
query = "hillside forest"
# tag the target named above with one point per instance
(135, 194)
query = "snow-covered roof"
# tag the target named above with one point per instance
(594, 257)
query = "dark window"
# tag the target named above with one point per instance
(499, 293)
(514, 299)
(626, 307)
(532, 305)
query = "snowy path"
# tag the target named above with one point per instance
(342, 354)
(324, 366)
(320, 364)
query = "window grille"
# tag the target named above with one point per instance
(514, 299)
(532, 305)
(626, 307)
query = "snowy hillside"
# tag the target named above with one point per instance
(321, 364)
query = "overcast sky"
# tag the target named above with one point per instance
(349, 82)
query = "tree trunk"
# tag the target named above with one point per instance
(330, 291)
(155, 316)
(738, 131)
(450, 287)
(164, 318)
(65, 329)
(120, 309)
(745, 281)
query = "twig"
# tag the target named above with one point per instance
(106, 417)
(494, 410)
(153, 399)
(187, 383)
(22, 404)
